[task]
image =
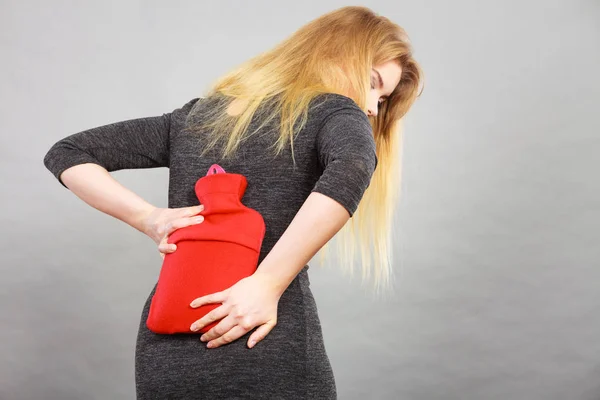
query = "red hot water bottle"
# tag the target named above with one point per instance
(211, 256)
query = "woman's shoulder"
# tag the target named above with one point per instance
(180, 115)
(184, 108)
(327, 105)
(333, 102)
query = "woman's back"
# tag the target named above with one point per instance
(334, 155)
(276, 187)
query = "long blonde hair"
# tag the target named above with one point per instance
(333, 53)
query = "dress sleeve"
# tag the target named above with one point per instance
(134, 143)
(347, 152)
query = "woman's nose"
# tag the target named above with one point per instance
(371, 113)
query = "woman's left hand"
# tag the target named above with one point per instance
(250, 302)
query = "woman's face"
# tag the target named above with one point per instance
(384, 78)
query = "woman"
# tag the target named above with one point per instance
(307, 123)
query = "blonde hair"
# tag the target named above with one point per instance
(331, 54)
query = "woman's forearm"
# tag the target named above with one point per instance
(317, 221)
(94, 185)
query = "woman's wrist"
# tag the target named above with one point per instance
(140, 215)
(277, 277)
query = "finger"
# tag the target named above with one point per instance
(178, 223)
(214, 315)
(235, 333)
(193, 210)
(242, 325)
(223, 326)
(196, 219)
(217, 297)
(260, 333)
(165, 247)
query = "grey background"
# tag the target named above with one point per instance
(496, 243)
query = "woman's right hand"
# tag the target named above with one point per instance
(159, 223)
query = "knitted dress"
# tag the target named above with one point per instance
(335, 155)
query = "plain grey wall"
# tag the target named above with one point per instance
(496, 242)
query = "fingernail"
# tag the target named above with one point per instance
(198, 219)
(194, 327)
(202, 338)
(173, 247)
(252, 343)
(209, 345)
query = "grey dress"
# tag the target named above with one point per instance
(335, 155)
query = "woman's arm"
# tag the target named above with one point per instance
(82, 161)
(347, 152)
(317, 221)
(94, 185)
